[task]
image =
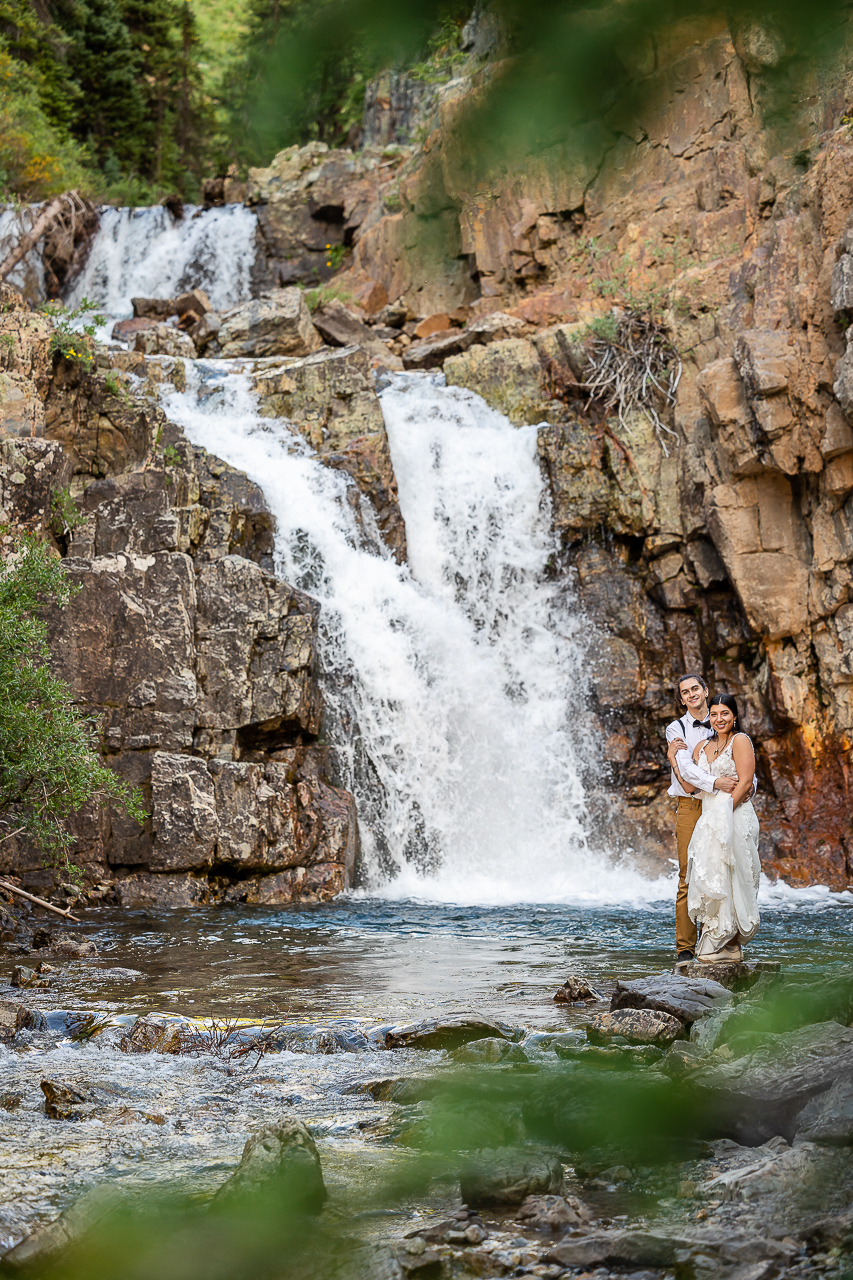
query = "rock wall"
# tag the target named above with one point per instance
(725, 548)
(198, 664)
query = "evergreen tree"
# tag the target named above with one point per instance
(111, 112)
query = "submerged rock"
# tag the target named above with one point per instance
(508, 1176)
(282, 1159)
(63, 1102)
(444, 1033)
(63, 943)
(491, 1049)
(637, 1026)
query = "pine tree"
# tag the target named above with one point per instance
(111, 112)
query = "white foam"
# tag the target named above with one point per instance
(462, 680)
(146, 253)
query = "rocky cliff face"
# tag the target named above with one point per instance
(725, 548)
(199, 665)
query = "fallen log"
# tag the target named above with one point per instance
(39, 902)
(69, 214)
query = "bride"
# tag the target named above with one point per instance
(722, 860)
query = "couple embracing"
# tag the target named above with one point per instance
(716, 828)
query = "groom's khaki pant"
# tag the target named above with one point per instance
(686, 817)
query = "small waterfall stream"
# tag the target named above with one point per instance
(146, 253)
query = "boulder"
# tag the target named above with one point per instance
(508, 375)
(444, 1033)
(685, 998)
(491, 1049)
(150, 1036)
(553, 1213)
(279, 1160)
(637, 1026)
(507, 1175)
(337, 325)
(64, 943)
(734, 977)
(156, 308)
(828, 1118)
(164, 340)
(278, 324)
(402, 1089)
(576, 990)
(434, 351)
(142, 889)
(661, 1248)
(761, 1094)
(89, 1210)
(64, 1102)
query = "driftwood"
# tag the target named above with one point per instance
(39, 902)
(62, 219)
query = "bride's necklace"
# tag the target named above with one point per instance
(719, 750)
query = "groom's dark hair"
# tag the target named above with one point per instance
(690, 675)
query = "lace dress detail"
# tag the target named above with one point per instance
(722, 863)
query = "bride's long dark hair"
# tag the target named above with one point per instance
(726, 700)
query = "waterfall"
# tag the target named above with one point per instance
(146, 253)
(459, 677)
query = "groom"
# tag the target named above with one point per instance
(687, 783)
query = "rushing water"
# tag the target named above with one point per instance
(463, 673)
(146, 253)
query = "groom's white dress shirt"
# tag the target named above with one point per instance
(692, 731)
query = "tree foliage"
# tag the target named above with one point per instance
(48, 765)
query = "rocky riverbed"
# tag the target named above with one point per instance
(692, 1123)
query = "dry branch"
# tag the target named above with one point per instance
(39, 902)
(636, 370)
(57, 219)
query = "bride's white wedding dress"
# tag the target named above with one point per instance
(722, 864)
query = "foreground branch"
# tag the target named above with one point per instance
(39, 902)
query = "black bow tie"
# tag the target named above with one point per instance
(701, 724)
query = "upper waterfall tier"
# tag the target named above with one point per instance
(147, 253)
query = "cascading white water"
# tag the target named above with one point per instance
(146, 253)
(462, 676)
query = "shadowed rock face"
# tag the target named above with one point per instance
(199, 664)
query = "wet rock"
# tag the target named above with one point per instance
(661, 1248)
(615, 1055)
(279, 324)
(402, 1089)
(553, 1213)
(164, 340)
(88, 1211)
(312, 1039)
(637, 1026)
(29, 1019)
(444, 1033)
(282, 1160)
(153, 308)
(828, 1118)
(63, 1102)
(148, 1036)
(684, 998)
(508, 1176)
(161, 892)
(23, 977)
(734, 977)
(63, 943)
(771, 1169)
(760, 1095)
(576, 989)
(491, 1049)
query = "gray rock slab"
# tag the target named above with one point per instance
(508, 1176)
(828, 1118)
(762, 1093)
(687, 998)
